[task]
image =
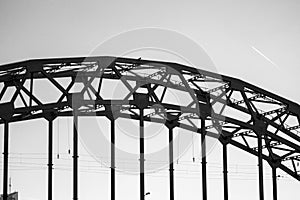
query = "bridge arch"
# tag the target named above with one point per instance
(231, 110)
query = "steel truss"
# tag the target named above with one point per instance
(230, 110)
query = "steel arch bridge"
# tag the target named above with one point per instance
(231, 110)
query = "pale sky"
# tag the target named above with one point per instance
(256, 41)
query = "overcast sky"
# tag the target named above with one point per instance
(257, 41)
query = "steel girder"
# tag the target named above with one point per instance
(237, 112)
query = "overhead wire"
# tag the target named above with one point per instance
(85, 166)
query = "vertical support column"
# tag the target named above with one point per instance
(7, 110)
(260, 167)
(203, 150)
(50, 157)
(5, 161)
(112, 149)
(225, 172)
(141, 101)
(75, 156)
(142, 157)
(274, 178)
(171, 160)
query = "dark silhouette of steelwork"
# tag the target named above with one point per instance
(225, 172)
(50, 153)
(274, 126)
(203, 150)
(112, 178)
(5, 161)
(75, 156)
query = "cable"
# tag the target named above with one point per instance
(193, 150)
(57, 138)
(69, 149)
(178, 147)
(30, 161)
